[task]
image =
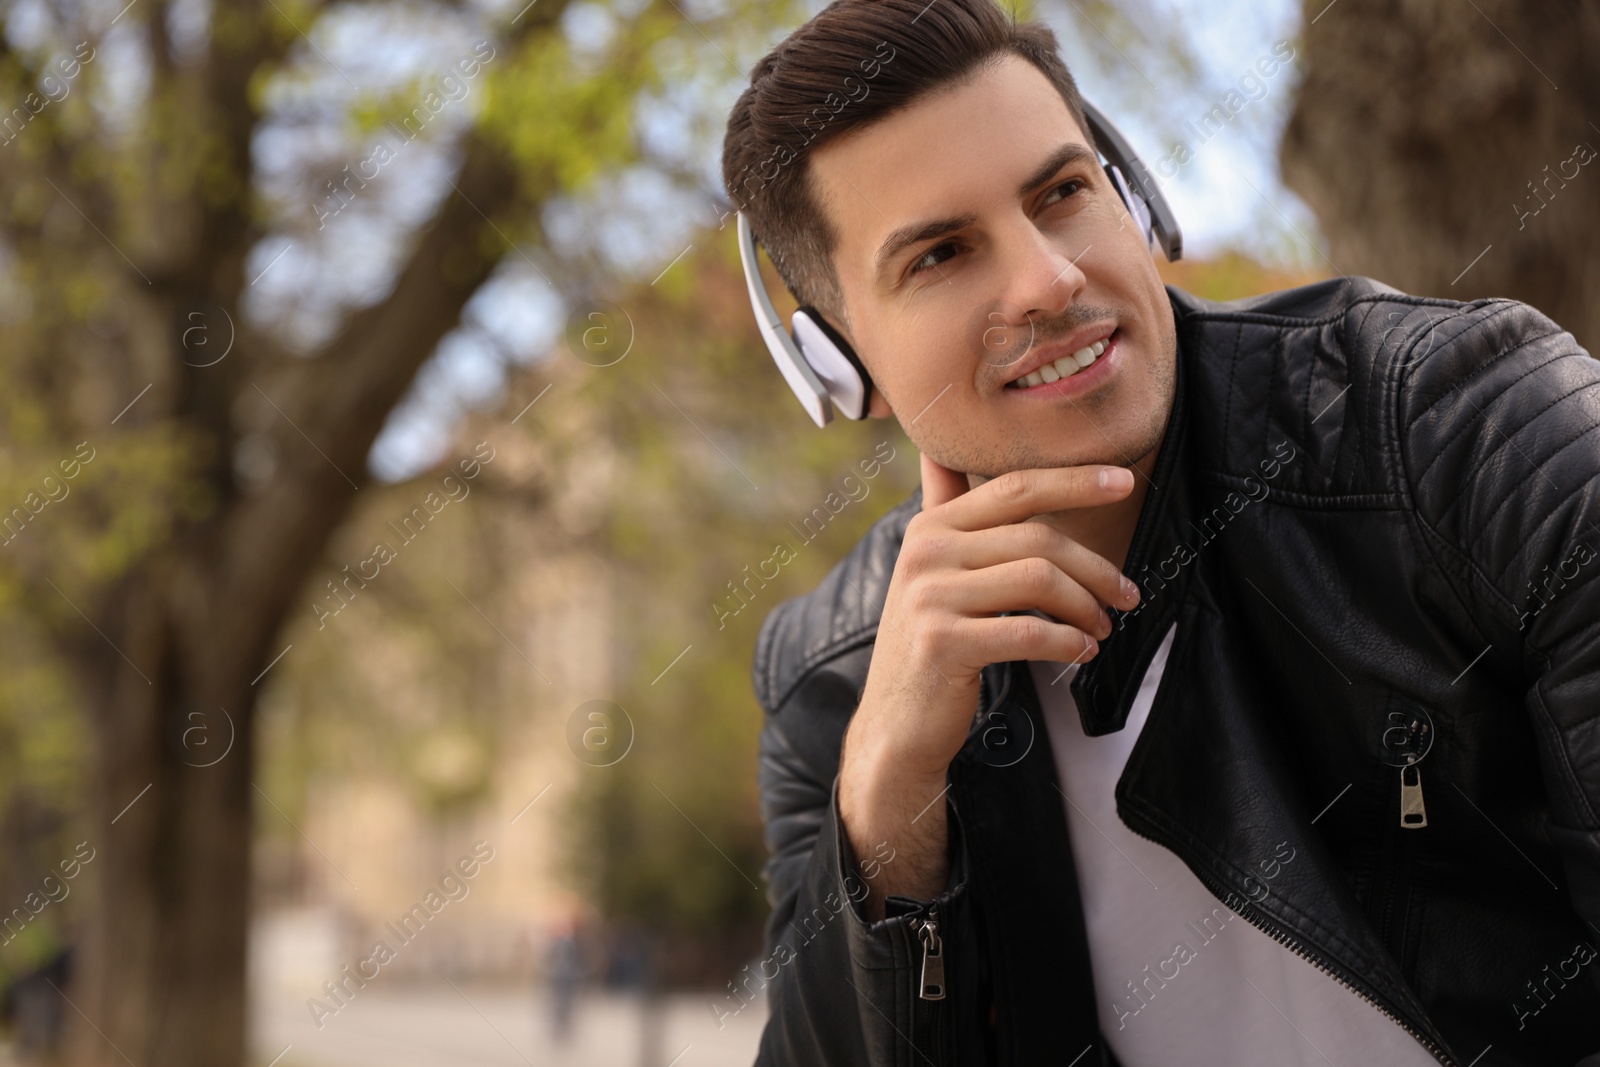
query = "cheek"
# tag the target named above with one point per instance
(914, 356)
(1130, 234)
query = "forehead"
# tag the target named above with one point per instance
(956, 151)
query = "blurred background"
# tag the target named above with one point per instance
(386, 448)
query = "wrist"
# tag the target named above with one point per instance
(870, 758)
(884, 788)
(895, 824)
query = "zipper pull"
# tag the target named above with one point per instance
(1413, 816)
(932, 958)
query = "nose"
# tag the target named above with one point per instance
(1041, 280)
(1045, 277)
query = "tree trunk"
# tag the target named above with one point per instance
(1450, 149)
(166, 952)
(188, 635)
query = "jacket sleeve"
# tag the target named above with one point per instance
(841, 990)
(1500, 433)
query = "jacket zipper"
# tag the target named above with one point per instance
(1398, 855)
(1283, 937)
(927, 1036)
(1393, 903)
(932, 957)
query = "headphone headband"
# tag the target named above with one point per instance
(796, 371)
(1121, 155)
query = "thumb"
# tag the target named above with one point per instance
(939, 483)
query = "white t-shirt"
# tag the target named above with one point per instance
(1178, 976)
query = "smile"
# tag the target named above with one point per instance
(1065, 367)
(1078, 372)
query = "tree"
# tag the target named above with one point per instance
(140, 195)
(1449, 149)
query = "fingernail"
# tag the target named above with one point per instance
(1129, 589)
(1115, 478)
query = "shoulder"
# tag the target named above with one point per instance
(1343, 370)
(1362, 320)
(1497, 421)
(839, 615)
(1307, 365)
(1350, 311)
(1489, 352)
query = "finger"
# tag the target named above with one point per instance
(940, 484)
(1031, 584)
(1002, 544)
(1020, 495)
(1025, 637)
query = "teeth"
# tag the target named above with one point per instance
(1065, 367)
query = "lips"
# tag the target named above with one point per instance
(1054, 362)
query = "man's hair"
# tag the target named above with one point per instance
(856, 62)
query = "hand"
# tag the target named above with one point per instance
(969, 554)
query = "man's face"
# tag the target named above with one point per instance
(979, 238)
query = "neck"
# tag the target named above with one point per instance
(1106, 530)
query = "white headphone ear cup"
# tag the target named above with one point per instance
(1136, 205)
(838, 374)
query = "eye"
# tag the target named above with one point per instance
(943, 251)
(1073, 185)
(930, 259)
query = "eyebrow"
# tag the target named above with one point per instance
(927, 229)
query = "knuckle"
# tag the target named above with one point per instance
(932, 596)
(1038, 575)
(917, 530)
(1041, 539)
(1013, 487)
(921, 599)
(911, 563)
(921, 557)
(1025, 631)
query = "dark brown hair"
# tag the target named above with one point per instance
(856, 62)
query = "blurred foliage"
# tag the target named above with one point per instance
(717, 462)
(1233, 275)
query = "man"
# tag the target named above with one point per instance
(1229, 693)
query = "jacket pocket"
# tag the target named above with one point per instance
(923, 933)
(924, 946)
(1407, 741)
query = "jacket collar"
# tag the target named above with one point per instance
(1104, 687)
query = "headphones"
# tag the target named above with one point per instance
(820, 365)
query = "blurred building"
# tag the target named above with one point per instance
(522, 580)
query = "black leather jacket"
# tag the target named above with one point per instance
(1375, 519)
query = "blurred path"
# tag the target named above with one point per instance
(433, 1025)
